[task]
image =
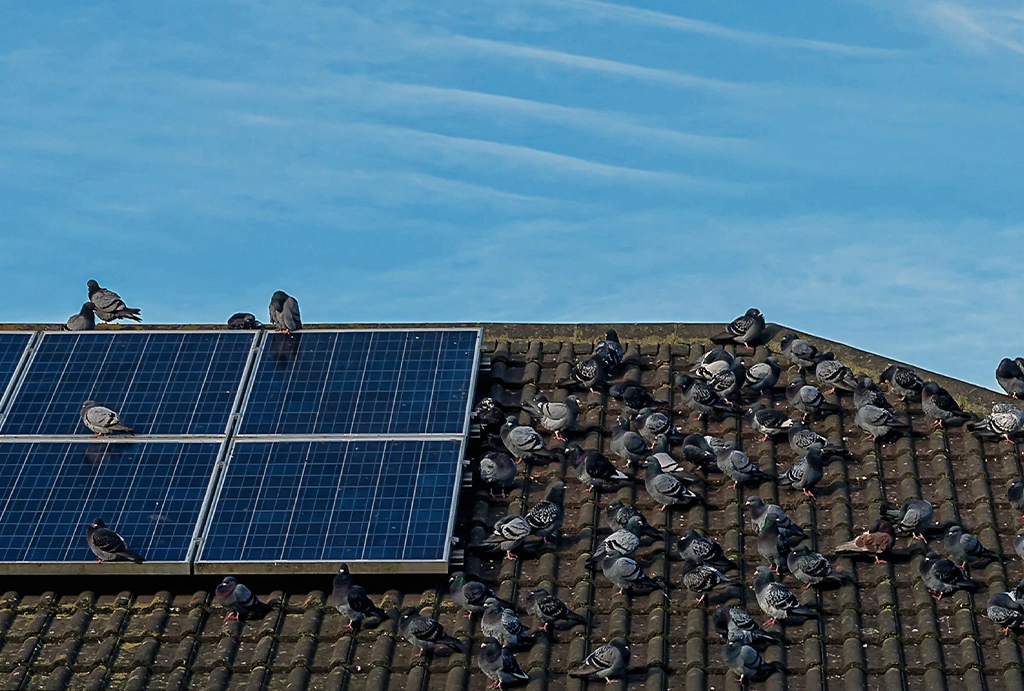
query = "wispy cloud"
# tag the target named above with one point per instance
(977, 28)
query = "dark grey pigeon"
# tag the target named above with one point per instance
(653, 423)
(763, 376)
(808, 400)
(806, 473)
(497, 471)
(905, 382)
(759, 512)
(243, 320)
(730, 621)
(1015, 494)
(738, 467)
(1003, 421)
(590, 374)
(607, 662)
(775, 599)
(667, 489)
(879, 422)
(745, 330)
(554, 417)
(767, 421)
(1010, 377)
(284, 312)
(914, 517)
(771, 544)
(109, 306)
(1005, 612)
(550, 610)
(620, 513)
(668, 462)
(593, 468)
(712, 362)
(609, 351)
(522, 441)
(836, 375)
(746, 662)
(868, 393)
(502, 624)
(627, 444)
(425, 633)
(102, 420)
(238, 600)
(622, 543)
(633, 398)
(85, 320)
(107, 545)
(698, 451)
(802, 440)
(625, 573)
(799, 352)
(499, 664)
(811, 567)
(876, 541)
(351, 600)
(490, 415)
(469, 594)
(702, 578)
(510, 532)
(942, 577)
(701, 398)
(728, 382)
(941, 407)
(702, 549)
(965, 549)
(545, 517)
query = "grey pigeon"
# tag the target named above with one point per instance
(763, 376)
(806, 473)
(633, 397)
(592, 467)
(109, 306)
(808, 400)
(746, 662)
(914, 517)
(868, 393)
(545, 517)
(497, 471)
(1010, 377)
(509, 534)
(727, 383)
(772, 545)
(550, 610)
(759, 512)
(351, 600)
(767, 421)
(425, 633)
(879, 422)
(1015, 495)
(620, 513)
(835, 374)
(667, 489)
(811, 567)
(728, 621)
(698, 451)
(799, 352)
(1005, 612)
(243, 320)
(965, 549)
(702, 578)
(590, 374)
(85, 320)
(238, 600)
(627, 444)
(668, 462)
(107, 545)
(701, 398)
(489, 414)
(652, 424)
(607, 662)
(1003, 421)
(554, 417)
(284, 312)
(738, 466)
(940, 406)
(501, 623)
(102, 420)
(1018, 545)
(905, 382)
(801, 440)
(625, 573)
(710, 363)
(745, 330)
(499, 664)
(468, 594)
(942, 577)
(522, 441)
(623, 543)
(702, 549)
(876, 541)
(775, 599)
(610, 351)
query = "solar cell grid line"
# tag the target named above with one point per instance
(162, 383)
(13, 351)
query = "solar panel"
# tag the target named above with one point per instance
(12, 349)
(168, 383)
(310, 501)
(362, 382)
(150, 493)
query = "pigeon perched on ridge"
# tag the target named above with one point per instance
(109, 306)
(592, 467)
(1010, 377)
(802, 440)
(940, 406)
(905, 382)
(503, 624)
(551, 610)
(626, 574)
(767, 421)
(633, 397)
(811, 567)
(799, 352)
(1004, 420)
(835, 374)
(740, 468)
(609, 351)
(1005, 612)
(1015, 495)
(499, 664)
(107, 545)
(590, 374)
(879, 422)
(284, 312)
(806, 473)
(942, 577)
(728, 621)
(620, 513)
(554, 417)
(700, 548)
(607, 662)
(965, 549)
(238, 600)
(775, 599)
(425, 633)
(468, 593)
(868, 393)
(627, 444)
(759, 512)
(746, 662)
(522, 441)
(808, 400)
(876, 541)
(763, 376)
(243, 320)
(702, 578)
(497, 470)
(102, 420)
(701, 398)
(623, 543)
(667, 489)
(745, 330)
(351, 600)
(85, 320)
(545, 517)
(914, 517)
(510, 532)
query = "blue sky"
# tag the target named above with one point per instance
(850, 168)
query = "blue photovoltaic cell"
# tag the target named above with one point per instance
(11, 348)
(334, 501)
(167, 383)
(151, 494)
(362, 382)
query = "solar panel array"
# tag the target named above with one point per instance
(250, 447)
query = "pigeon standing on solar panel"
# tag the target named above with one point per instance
(243, 320)
(102, 420)
(238, 600)
(351, 599)
(107, 545)
(109, 306)
(745, 330)
(85, 320)
(284, 312)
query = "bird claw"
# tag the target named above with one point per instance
(879, 560)
(771, 622)
(700, 599)
(509, 555)
(809, 493)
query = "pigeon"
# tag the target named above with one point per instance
(652, 424)
(667, 489)
(877, 540)
(489, 414)
(1005, 612)
(509, 534)
(351, 599)
(702, 549)
(609, 351)
(806, 473)
(1010, 377)
(554, 417)
(727, 383)
(425, 633)
(633, 398)
(550, 610)
(942, 577)
(868, 393)
(940, 406)
(109, 306)
(836, 375)
(591, 374)
(811, 567)
(965, 550)
(712, 362)
(502, 624)
(1018, 545)
(469, 594)
(701, 398)
(622, 543)
(619, 515)
(879, 422)
(759, 512)
(606, 662)
(738, 466)
(914, 517)
(799, 352)
(767, 421)
(763, 376)
(499, 664)
(745, 330)
(1015, 494)
(625, 573)
(731, 621)
(772, 545)
(627, 444)
(1004, 420)
(238, 600)
(497, 470)
(702, 578)
(107, 545)
(284, 312)
(243, 320)
(668, 463)
(698, 451)
(545, 518)
(905, 382)
(808, 400)
(522, 441)
(593, 468)
(802, 440)
(85, 320)
(775, 599)
(746, 662)
(102, 420)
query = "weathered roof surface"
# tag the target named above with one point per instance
(885, 632)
